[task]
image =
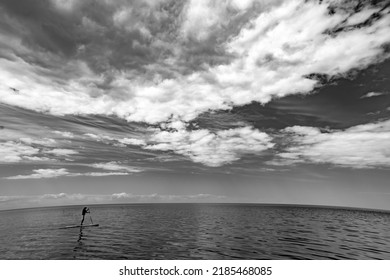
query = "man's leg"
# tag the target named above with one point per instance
(82, 221)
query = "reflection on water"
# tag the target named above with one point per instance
(80, 235)
(79, 245)
(196, 232)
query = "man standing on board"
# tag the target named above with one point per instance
(85, 211)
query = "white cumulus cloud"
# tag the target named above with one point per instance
(14, 152)
(362, 146)
(209, 148)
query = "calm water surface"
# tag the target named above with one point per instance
(195, 232)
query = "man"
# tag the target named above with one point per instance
(85, 211)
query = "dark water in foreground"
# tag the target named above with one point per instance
(195, 232)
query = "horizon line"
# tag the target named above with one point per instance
(209, 203)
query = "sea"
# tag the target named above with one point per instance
(195, 231)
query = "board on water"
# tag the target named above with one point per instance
(83, 226)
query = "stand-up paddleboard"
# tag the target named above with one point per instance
(83, 226)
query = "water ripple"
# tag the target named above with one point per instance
(196, 232)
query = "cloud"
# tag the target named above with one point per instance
(59, 172)
(100, 174)
(271, 53)
(65, 134)
(42, 173)
(5, 198)
(132, 141)
(372, 94)
(202, 17)
(165, 63)
(26, 150)
(43, 142)
(99, 138)
(15, 152)
(116, 141)
(62, 152)
(361, 16)
(128, 197)
(362, 146)
(66, 5)
(212, 148)
(115, 166)
(54, 196)
(203, 21)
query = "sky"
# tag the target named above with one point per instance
(268, 101)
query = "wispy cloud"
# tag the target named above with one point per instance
(99, 174)
(115, 140)
(43, 142)
(372, 94)
(62, 152)
(115, 166)
(65, 134)
(99, 138)
(60, 172)
(42, 173)
(128, 197)
(26, 150)
(132, 141)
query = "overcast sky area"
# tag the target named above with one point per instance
(115, 101)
